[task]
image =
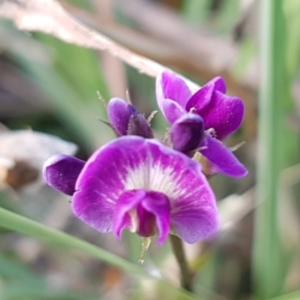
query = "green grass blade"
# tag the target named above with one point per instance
(290, 296)
(276, 150)
(54, 237)
(228, 16)
(195, 11)
(292, 11)
(75, 104)
(79, 66)
(26, 226)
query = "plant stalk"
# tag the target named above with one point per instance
(186, 274)
(276, 151)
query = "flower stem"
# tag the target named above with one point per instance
(186, 275)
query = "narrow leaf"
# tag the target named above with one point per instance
(26, 226)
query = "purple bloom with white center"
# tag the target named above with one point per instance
(221, 115)
(144, 186)
(126, 119)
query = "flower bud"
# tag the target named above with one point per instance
(127, 120)
(138, 125)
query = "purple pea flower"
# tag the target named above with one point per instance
(126, 119)
(221, 115)
(139, 184)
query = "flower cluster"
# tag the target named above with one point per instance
(151, 187)
(201, 120)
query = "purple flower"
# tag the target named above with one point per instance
(221, 115)
(127, 120)
(144, 186)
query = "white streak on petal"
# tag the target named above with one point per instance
(155, 178)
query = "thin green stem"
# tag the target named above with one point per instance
(54, 237)
(186, 275)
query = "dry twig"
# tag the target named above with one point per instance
(48, 16)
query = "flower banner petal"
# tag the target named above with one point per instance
(224, 114)
(172, 110)
(203, 96)
(194, 214)
(170, 86)
(196, 223)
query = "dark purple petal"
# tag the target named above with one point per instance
(187, 132)
(159, 205)
(224, 114)
(143, 212)
(119, 113)
(203, 96)
(194, 224)
(146, 222)
(126, 120)
(219, 83)
(222, 159)
(61, 172)
(194, 213)
(139, 126)
(128, 201)
(133, 163)
(170, 86)
(173, 110)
